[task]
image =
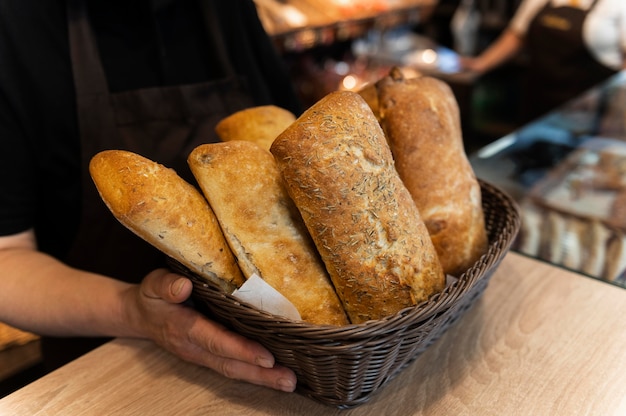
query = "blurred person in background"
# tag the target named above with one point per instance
(149, 76)
(571, 46)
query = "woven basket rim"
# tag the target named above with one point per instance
(344, 366)
(437, 303)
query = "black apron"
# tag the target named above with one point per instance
(561, 66)
(163, 124)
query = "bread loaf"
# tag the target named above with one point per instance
(420, 117)
(370, 91)
(339, 170)
(167, 212)
(259, 124)
(265, 231)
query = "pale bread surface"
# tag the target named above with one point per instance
(339, 170)
(420, 117)
(242, 183)
(159, 206)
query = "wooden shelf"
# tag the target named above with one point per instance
(18, 350)
(18, 358)
(327, 26)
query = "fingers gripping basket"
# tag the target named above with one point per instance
(344, 366)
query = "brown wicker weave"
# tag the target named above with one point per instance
(344, 366)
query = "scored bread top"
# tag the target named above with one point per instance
(242, 183)
(339, 170)
(159, 206)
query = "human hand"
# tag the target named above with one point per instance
(156, 311)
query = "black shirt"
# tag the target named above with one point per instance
(141, 45)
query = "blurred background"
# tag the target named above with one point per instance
(343, 44)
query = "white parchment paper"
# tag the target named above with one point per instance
(259, 293)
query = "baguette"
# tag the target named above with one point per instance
(339, 170)
(259, 124)
(264, 229)
(159, 206)
(420, 118)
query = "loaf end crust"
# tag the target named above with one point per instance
(259, 124)
(159, 206)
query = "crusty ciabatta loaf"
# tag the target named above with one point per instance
(338, 169)
(259, 124)
(369, 92)
(420, 117)
(265, 231)
(159, 206)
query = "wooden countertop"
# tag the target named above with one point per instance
(18, 351)
(541, 341)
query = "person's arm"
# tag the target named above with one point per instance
(504, 48)
(44, 296)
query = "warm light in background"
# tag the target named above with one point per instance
(350, 82)
(429, 56)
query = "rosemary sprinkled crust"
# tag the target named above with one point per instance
(159, 206)
(338, 169)
(420, 118)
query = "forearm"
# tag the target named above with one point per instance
(503, 49)
(42, 295)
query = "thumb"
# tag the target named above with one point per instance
(165, 285)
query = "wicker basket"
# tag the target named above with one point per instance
(344, 366)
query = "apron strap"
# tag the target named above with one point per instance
(216, 38)
(88, 71)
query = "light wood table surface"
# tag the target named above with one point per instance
(541, 341)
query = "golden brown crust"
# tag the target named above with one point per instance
(338, 169)
(420, 117)
(262, 225)
(167, 212)
(259, 124)
(370, 91)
